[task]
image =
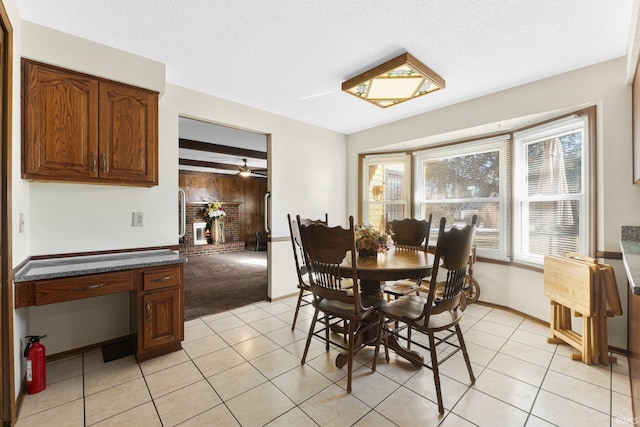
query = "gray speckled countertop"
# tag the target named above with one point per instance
(90, 264)
(630, 245)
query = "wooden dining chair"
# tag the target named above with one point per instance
(325, 248)
(408, 235)
(304, 286)
(439, 311)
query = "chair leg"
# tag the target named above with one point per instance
(295, 316)
(378, 340)
(306, 347)
(350, 355)
(327, 324)
(436, 373)
(463, 347)
(386, 347)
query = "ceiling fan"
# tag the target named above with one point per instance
(244, 170)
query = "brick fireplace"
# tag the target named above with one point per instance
(195, 214)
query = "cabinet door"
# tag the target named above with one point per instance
(60, 125)
(128, 134)
(162, 320)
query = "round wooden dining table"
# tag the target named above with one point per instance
(394, 264)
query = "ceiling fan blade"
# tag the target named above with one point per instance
(244, 167)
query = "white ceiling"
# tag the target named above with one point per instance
(200, 131)
(290, 57)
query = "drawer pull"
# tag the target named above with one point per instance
(148, 310)
(162, 279)
(87, 288)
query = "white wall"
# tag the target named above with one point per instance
(68, 217)
(603, 85)
(308, 175)
(307, 168)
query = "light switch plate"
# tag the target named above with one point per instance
(138, 218)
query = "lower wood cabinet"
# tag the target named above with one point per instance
(160, 316)
(156, 302)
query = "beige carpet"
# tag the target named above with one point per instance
(221, 282)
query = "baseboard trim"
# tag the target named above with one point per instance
(58, 356)
(86, 349)
(612, 349)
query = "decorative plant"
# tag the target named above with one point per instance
(213, 211)
(370, 239)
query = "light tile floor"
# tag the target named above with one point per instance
(242, 367)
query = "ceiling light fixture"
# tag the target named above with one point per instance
(244, 170)
(397, 80)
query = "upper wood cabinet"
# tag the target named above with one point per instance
(82, 128)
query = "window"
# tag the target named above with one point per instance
(385, 189)
(531, 189)
(551, 195)
(462, 180)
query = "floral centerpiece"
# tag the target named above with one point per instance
(370, 241)
(212, 213)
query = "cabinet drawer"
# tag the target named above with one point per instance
(72, 288)
(164, 277)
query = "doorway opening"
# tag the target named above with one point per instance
(223, 184)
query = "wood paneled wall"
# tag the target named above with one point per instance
(249, 192)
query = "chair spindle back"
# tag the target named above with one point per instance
(325, 248)
(296, 241)
(409, 233)
(452, 253)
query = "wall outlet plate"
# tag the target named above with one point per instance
(137, 219)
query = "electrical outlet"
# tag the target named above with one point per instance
(138, 218)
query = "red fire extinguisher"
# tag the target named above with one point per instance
(36, 372)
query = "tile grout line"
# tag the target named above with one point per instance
(482, 370)
(533, 403)
(223, 402)
(399, 383)
(153, 401)
(515, 329)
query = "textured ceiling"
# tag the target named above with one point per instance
(290, 56)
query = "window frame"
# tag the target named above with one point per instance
(536, 133)
(589, 178)
(498, 143)
(386, 158)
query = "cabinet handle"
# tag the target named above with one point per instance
(103, 162)
(148, 310)
(94, 162)
(86, 288)
(162, 279)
